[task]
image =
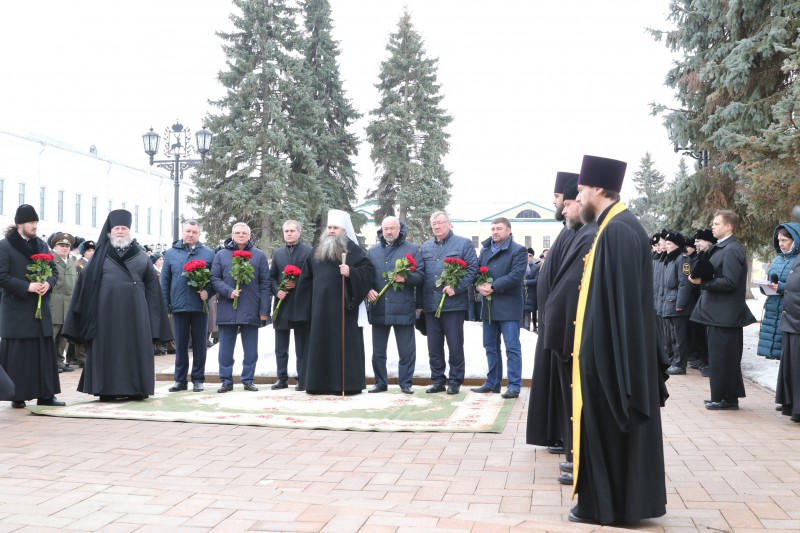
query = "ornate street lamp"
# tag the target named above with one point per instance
(701, 156)
(177, 146)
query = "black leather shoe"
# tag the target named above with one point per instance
(406, 390)
(436, 387)
(510, 393)
(575, 517)
(68, 368)
(226, 387)
(483, 389)
(17, 405)
(378, 388)
(557, 449)
(705, 371)
(52, 401)
(247, 385)
(722, 405)
(300, 388)
(565, 467)
(453, 388)
(197, 386)
(565, 479)
(675, 371)
(178, 387)
(779, 408)
(280, 384)
(60, 370)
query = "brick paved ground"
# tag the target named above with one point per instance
(726, 471)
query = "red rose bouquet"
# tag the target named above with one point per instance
(290, 273)
(39, 272)
(454, 270)
(484, 277)
(402, 267)
(198, 276)
(242, 271)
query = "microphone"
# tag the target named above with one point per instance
(774, 278)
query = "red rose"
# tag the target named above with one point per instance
(483, 270)
(291, 270)
(242, 253)
(42, 257)
(191, 266)
(461, 263)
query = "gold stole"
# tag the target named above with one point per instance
(577, 398)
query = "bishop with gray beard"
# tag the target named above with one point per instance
(338, 290)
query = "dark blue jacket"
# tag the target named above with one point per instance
(673, 284)
(395, 307)
(433, 255)
(179, 296)
(507, 269)
(530, 283)
(769, 335)
(254, 296)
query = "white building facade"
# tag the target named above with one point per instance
(73, 191)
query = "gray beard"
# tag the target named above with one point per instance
(574, 224)
(120, 242)
(331, 248)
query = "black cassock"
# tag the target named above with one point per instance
(324, 359)
(130, 316)
(620, 478)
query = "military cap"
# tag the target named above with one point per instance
(86, 245)
(61, 238)
(676, 238)
(706, 235)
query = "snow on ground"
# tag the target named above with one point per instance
(760, 370)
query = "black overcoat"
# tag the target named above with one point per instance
(297, 304)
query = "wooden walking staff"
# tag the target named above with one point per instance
(344, 260)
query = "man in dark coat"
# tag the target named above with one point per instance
(545, 418)
(723, 310)
(530, 282)
(252, 307)
(562, 302)
(339, 286)
(618, 381)
(396, 308)
(295, 311)
(27, 351)
(117, 310)
(502, 305)
(185, 303)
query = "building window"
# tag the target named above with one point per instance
(528, 213)
(61, 206)
(94, 211)
(546, 241)
(149, 220)
(136, 218)
(528, 241)
(124, 205)
(2, 190)
(475, 241)
(41, 203)
(21, 193)
(78, 209)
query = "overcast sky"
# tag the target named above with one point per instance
(532, 86)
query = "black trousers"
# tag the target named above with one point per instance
(678, 327)
(282, 350)
(725, 347)
(564, 370)
(451, 327)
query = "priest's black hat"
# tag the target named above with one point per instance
(561, 179)
(571, 188)
(120, 217)
(602, 172)
(25, 213)
(706, 235)
(703, 270)
(675, 238)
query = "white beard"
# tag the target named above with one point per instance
(120, 242)
(331, 248)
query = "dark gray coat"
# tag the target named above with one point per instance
(721, 301)
(297, 304)
(253, 297)
(672, 280)
(507, 269)
(394, 307)
(433, 255)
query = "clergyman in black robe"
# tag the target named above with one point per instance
(117, 310)
(618, 387)
(327, 371)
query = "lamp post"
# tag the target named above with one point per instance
(701, 156)
(177, 146)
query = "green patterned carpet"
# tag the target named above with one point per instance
(389, 411)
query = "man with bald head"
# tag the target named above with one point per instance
(396, 307)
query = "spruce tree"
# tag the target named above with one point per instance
(736, 85)
(262, 168)
(333, 145)
(408, 135)
(649, 183)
